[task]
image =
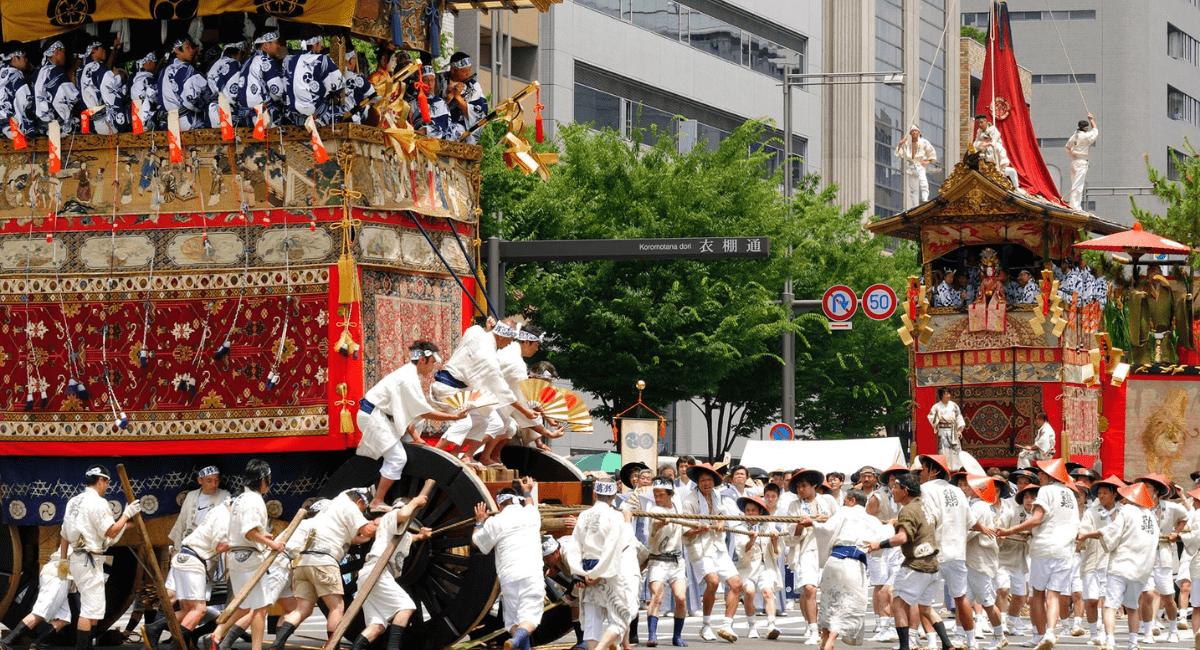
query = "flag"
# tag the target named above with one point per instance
(174, 139)
(318, 146)
(85, 121)
(223, 114)
(136, 117)
(54, 148)
(260, 123)
(1003, 101)
(18, 138)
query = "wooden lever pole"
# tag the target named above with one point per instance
(261, 571)
(147, 549)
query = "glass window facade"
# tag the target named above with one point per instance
(889, 108)
(1180, 45)
(1063, 79)
(1182, 106)
(678, 22)
(979, 19)
(597, 108)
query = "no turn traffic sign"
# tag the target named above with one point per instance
(839, 303)
(781, 431)
(879, 301)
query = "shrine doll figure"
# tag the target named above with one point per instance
(987, 311)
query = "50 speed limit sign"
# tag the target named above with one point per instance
(879, 301)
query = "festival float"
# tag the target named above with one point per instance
(1120, 391)
(170, 302)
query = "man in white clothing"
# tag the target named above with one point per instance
(983, 552)
(1095, 558)
(194, 559)
(515, 535)
(388, 606)
(249, 537)
(1077, 150)
(610, 571)
(705, 542)
(1160, 590)
(1043, 443)
(399, 396)
(1130, 539)
(475, 365)
(803, 555)
(948, 424)
(917, 154)
(197, 503)
(951, 516)
(666, 563)
(89, 528)
(882, 565)
(1191, 546)
(512, 357)
(318, 573)
(1054, 523)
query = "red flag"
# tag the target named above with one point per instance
(318, 147)
(260, 123)
(223, 113)
(85, 121)
(136, 117)
(174, 137)
(1003, 101)
(18, 138)
(54, 148)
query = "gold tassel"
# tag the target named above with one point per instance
(348, 291)
(347, 422)
(346, 345)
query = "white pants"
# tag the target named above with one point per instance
(1012, 178)
(475, 427)
(87, 572)
(51, 602)
(387, 599)
(1079, 169)
(917, 182)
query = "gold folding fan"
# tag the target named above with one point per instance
(578, 419)
(538, 393)
(469, 399)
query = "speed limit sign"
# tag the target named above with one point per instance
(879, 301)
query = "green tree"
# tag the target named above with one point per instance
(702, 331)
(1182, 197)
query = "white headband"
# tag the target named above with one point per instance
(240, 46)
(91, 48)
(545, 375)
(504, 330)
(661, 484)
(149, 58)
(506, 498)
(309, 42)
(606, 488)
(427, 70)
(549, 545)
(180, 42)
(52, 48)
(96, 471)
(417, 355)
(351, 54)
(14, 54)
(209, 471)
(318, 505)
(267, 38)
(522, 335)
(464, 62)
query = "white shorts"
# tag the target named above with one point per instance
(668, 573)
(476, 426)
(522, 600)
(1162, 580)
(983, 587)
(591, 619)
(87, 572)
(882, 566)
(807, 571)
(1014, 582)
(1094, 585)
(763, 579)
(385, 600)
(394, 460)
(257, 598)
(279, 582)
(191, 585)
(51, 604)
(1050, 574)
(1076, 578)
(1194, 598)
(954, 572)
(1119, 591)
(916, 588)
(717, 562)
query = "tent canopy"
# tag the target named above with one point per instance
(847, 456)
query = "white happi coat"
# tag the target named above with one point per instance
(1131, 539)
(399, 395)
(844, 601)
(196, 505)
(475, 364)
(333, 529)
(608, 552)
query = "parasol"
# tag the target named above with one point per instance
(1135, 242)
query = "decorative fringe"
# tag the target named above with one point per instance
(222, 351)
(122, 421)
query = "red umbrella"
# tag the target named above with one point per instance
(1136, 242)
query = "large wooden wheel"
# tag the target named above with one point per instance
(13, 572)
(451, 582)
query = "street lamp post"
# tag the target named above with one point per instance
(788, 298)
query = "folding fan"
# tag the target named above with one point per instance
(539, 393)
(578, 418)
(469, 399)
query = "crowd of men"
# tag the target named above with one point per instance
(900, 543)
(247, 80)
(1079, 284)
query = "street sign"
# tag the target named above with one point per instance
(781, 431)
(684, 248)
(841, 325)
(879, 301)
(839, 303)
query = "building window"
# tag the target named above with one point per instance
(678, 22)
(597, 108)
(1052, 143)
(980, 19)
(1182, 46)
(1182, 106)
(1063, 79)
(1172, 156)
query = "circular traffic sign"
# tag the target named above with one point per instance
(839, 303)
(781, 431)
(879, 301)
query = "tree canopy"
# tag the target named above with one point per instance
(702, 331)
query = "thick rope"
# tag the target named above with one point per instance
(1065, 56)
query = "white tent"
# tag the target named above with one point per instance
(845, 456)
